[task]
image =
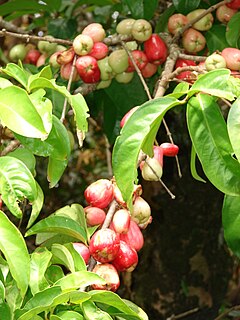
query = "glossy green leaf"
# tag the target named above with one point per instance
(215, 83)
(233, 31)
(193, 166)
(161, 24)
(74, 211)
(76, 101)
(26, 157)
(79, 263)
(233, 126)
(185, 6)
(216, 39)
(40, 302)
(138, 133)
(61, 255)
(55, 170)
(15, 251)
(36, 205)
(78, 280)
(5, 311)
(15, 71)
(112, 299)
(18, 113)
(136, 309)
(58, 224)
(135, 7)
(70, 315)
(54, 317)
(231, 222)
(92, 312)
(53, 274)
(16, 183)
(208, 132)
(39, 263)
(2, 292)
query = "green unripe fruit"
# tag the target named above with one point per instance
(47, 47)
(124, 77)
(125, 26)
(118, 60)
(17, 52)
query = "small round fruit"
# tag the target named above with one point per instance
(155, 49)
(82, 44)
(141, 30)
(235, 4)
(118, 60)
(232, 57)
(224, 14)
(127, 258)
(121, 221)
(158, 154)
(149, 70)
(109, 273)
(99, 50)
(17, 52)
(87, 68)
(124, 77)
(125, 26)
(127, 116)
(105, 69)
(215, 61)
(184, 63)
(103, 84)
(99, 193)
(204, 23)
(41, 60)
(176, 22)
(169, 149)
(139, 58)
(47, 47)
(95, 31)
(193, 41)
(141, 211)
(82, 250)
(151, 169)
(94, 216)
(32, 56)
(65, 72)
(104, 245)
(134, 237)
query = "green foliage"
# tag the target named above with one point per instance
(185, 6)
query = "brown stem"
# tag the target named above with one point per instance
(225, 313)
(12, 146)
(191, 57)
(184, 314)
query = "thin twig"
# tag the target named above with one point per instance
(12, 146)
(225, 313)
(184, 314)
(191, 57)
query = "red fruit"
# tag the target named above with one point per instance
(127, 116)
(127, 258)
(65, 72)
(109, 273)
(104, 245)
(99, 50)
(95, 31)
(235, 4)
(118, 196)
(66, 56)
(94, 216)
(193, 41)
(134, 237)
(121, 221)
(32, 56)
(176, 22)
(149, 70)
(99, 193)
(88, 69)
(184, 63)
(140, 59)
(232, 57)
(155, 49)
(158, 154)
(169, 149)
(41, 60)
(224, 13)
(82, 250)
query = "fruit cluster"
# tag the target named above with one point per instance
(114, 247)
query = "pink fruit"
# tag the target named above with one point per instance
(224, 13)
(232, 57)
(155, 49)
(140, 59)
(88, 69)
(65, 72)
(117, 195)
(169, 149)
(94, 216)
(149, 70)
(41, 60)
(99, 193)
(82, 250)
(99, 50)
(158, 154)
(109, 273)
(121, 221)
(104, 245)
(176, 22)
(95, 31)
(127, 258)
(134, 237)
(193, 41)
